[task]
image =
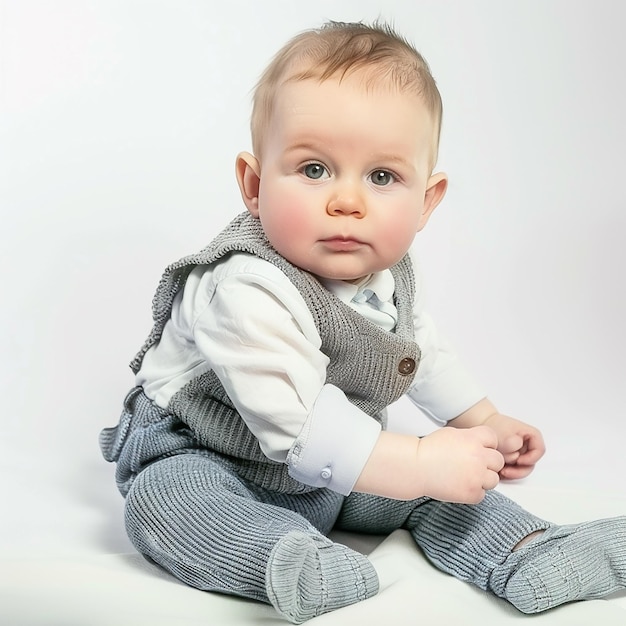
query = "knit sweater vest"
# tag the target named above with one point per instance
(371, 366)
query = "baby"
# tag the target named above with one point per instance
(257, 423)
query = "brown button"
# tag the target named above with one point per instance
(406, 366)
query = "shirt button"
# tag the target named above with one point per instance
(326, 473)
(406, 366)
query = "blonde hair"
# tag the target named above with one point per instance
(339, 49)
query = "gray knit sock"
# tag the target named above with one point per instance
(564, 564)
(308, 575)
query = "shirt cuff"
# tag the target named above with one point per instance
(334, 444)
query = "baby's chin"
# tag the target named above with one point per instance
(344, 278)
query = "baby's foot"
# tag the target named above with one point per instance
(566, 563)
(308, 575)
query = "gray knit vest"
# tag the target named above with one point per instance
(371, 366)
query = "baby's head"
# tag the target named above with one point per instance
(381, 57)
(345, 130)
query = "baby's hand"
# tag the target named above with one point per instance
(520, 444)
(459, 465)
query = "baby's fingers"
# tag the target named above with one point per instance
(511, 459)
(495, 461)
(532, 450)
(491, 480)
(511, 445)
(515, 472)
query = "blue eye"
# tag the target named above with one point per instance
(314, 171)
(382, 178)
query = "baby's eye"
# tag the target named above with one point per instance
(382, 178)
(315, 171)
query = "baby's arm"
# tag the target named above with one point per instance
(521, 445)
(449, 464)
(454, 464)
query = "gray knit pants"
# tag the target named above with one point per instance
(198, 520)
(189, 511)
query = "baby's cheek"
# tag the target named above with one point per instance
(398, 238)
(288, 230)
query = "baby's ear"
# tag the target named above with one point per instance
(435, 191)
(248, 172)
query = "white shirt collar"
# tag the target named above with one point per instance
(372, 297)
(381, 284)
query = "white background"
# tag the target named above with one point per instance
(120, 121)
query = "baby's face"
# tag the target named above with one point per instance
(344, 176)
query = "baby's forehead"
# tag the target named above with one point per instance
(358, 86)
(370, 78)
(300, 108)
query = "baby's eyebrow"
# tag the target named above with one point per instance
(389, 157)
(304, 146)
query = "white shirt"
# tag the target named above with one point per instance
(244, 319)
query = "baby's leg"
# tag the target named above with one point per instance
(192, 515)
(483, 544)
(469, 541)
(465, 541)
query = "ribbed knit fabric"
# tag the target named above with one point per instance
(467, 541)
(309, 575)
(565, 563)
(192, 515)
(476, 543)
